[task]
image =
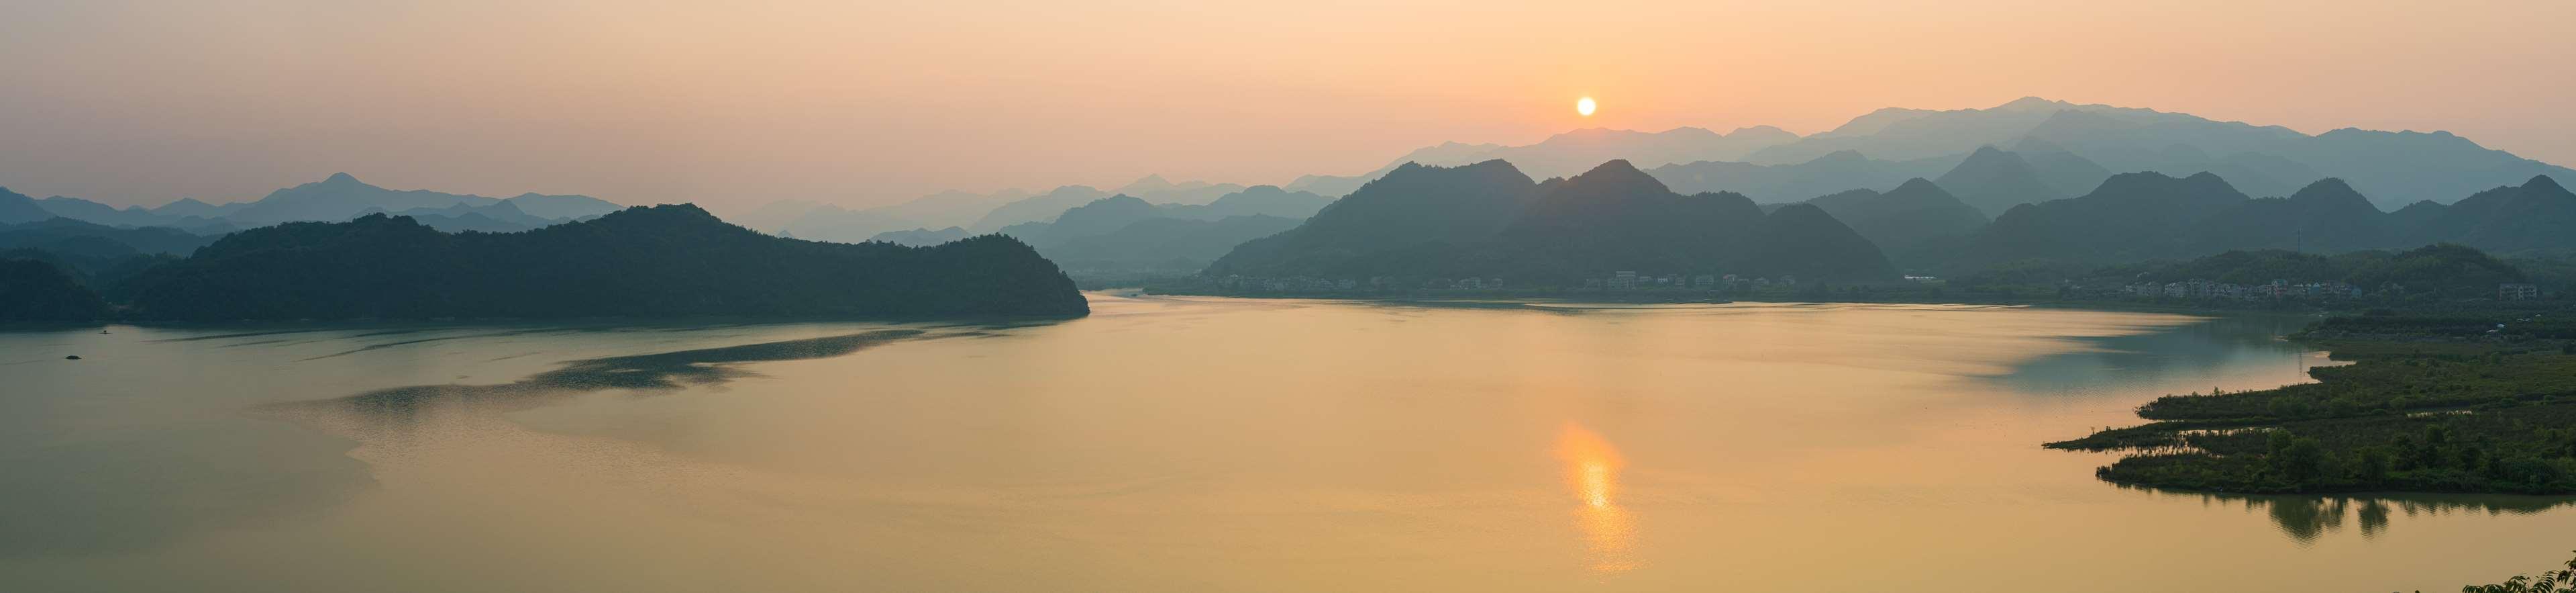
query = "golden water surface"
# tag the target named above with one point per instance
(1181, 445)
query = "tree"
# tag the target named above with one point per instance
(2556, 581)
(2299, 460)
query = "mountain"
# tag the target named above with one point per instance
(498, 217)
(1408, 220)
(1171, 244)
(2131, 217)
(458, 223)
(1575, 152)
(1804, 242)
(1616, 217)
(1099, 217)
(79, 209)
(1906, 221)
(2256, 174)
(840, 225)
(2401, 167)
(191, 207)
(17, 208)
(341, 197)
(769, 217)
(2396, 168)
(921, 237)
(1155, 189)
(144, 240)
(1993, 181)
(1488, 219)
(991, 213)
(2540, 214)
(1258, 200)
(1896, 133)
(35, 291)
(643, 261)
(950, 208)
(1038, 208)
(1580, 150)
(1826, 174)
(1123, 232)
(560, 207)
(2327, 216)
(976, 213)
(2068, 173)
(1445, 154)
(2146, 216)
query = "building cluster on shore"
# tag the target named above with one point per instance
(1310, 284)
(2284, 289)
(2276, 289)
(1291, 284)
(1627, 280)
(1622, 281)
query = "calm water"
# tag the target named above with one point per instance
(1180, 445)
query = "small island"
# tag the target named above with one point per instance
(2473, 400)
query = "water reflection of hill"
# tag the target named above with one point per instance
(2306, 518)
(2197, 348)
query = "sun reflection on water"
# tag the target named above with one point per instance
(1592, 471)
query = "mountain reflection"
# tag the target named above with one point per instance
(1592, 472)
(2305, 519)
(2222, 342)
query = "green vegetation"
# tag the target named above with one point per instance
(2434, 271)
(2433, 402)
(656, 261)
(2555, 581)
(33, 290)
(2414, 277)
(1488, 220)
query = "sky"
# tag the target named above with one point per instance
(738, 103)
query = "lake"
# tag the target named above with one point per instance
(1181, 444)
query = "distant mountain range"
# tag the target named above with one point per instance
(342, 197)
(1781, 184)
(1913, 223)
(53, 233)
(643, 261)
(337, 198)
(1575, 152)
(2397, 167)
(974, 213)
(17, 208)
(1126, 232)
(1916, 190)
(2149, 215)
(2067, 150)
(1489, 219)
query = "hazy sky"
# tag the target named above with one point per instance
(731, 103)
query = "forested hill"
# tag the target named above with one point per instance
(642, 261)
(1488, 219)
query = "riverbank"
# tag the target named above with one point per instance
(2459, 401)
(1914, 293)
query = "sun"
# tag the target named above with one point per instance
(1585, 106)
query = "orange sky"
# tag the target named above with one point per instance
(872, 102)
